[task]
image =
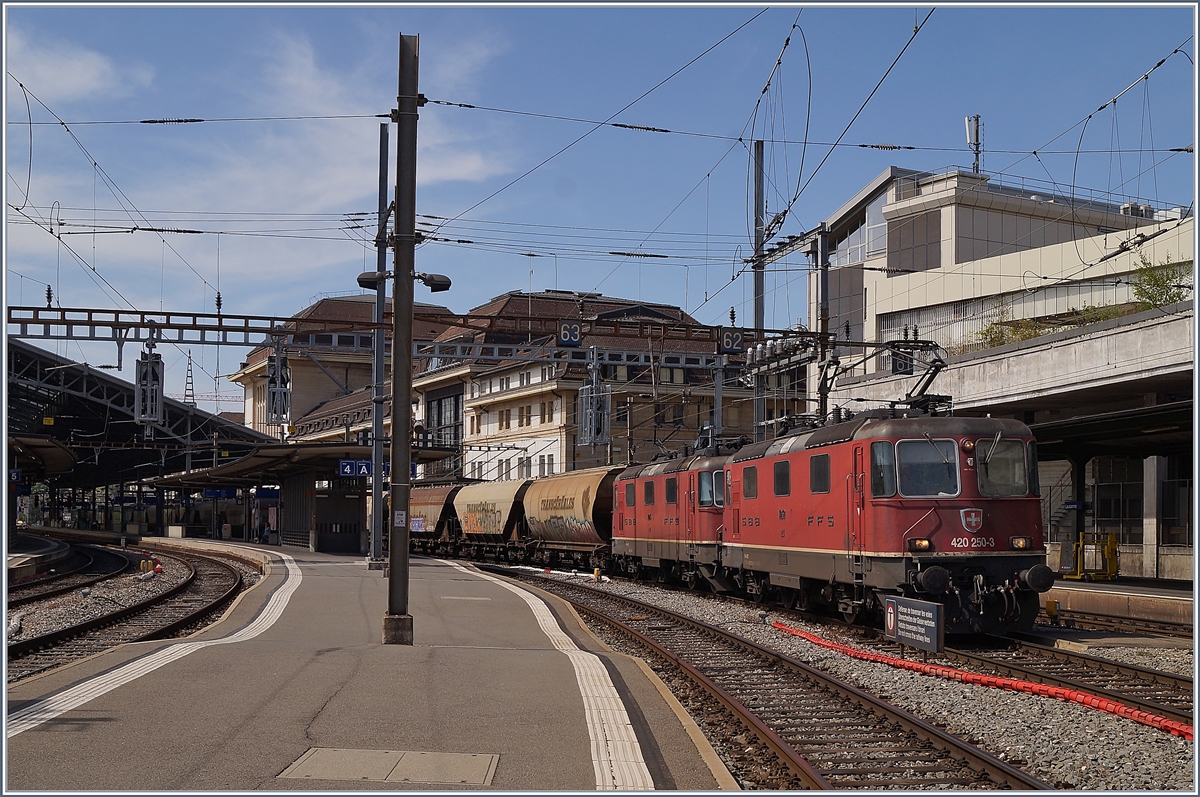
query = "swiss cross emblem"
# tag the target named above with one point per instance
(972, 519)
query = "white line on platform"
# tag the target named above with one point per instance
(616, 754)
(69, 699)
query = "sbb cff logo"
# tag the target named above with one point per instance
(972, 519)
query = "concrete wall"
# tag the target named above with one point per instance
(1140, 346)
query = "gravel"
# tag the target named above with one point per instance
(1180, 661)
(105, 597)
(1065, 745)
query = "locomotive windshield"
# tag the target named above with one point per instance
(1002, 472)
(712, 491)
(928, 468)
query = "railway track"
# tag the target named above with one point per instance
(1109, 622)
(820, 732)
(1153, 691)
(92, 566)
(210, 583)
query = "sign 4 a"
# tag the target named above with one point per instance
(354, 467)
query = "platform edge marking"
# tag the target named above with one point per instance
(616, 753)
(73, 697)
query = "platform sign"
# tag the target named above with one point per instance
(570, 333)
(730, 340)
(1073, 505)
(919, 624)
(214, 492)
(354, 467)
(14, 475)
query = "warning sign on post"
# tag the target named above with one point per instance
(913, 622)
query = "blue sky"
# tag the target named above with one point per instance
(278, 191)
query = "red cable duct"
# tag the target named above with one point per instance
(998, 682)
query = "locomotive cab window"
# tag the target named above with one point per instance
(818, 474)
(1001, 468)
(719, 487)
(672, 491)
(783, 477)
(750, 482)
(928, 468)
(1035, 485)
(630, 493)
(883, 469)
(648, 494)
(706, 488)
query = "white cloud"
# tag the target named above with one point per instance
(57, 70)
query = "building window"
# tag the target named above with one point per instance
(1176, 501)
(1118, 497)
(542, 465)
(549, 464)
(915, 243)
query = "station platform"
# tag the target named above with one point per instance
(29, 555)
(503, 689)
(1144, 599)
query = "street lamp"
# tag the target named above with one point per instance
(377, 281)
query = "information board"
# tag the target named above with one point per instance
(919, 624)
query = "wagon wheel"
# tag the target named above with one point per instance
(851, 616)
(761, 595)
(787, 598)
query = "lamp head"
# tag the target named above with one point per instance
(435, 282)
(371, 280)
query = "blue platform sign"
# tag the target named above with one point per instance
(14, 475)
(919, 624)
(1073, 505)
(354, 467)
(216, 492)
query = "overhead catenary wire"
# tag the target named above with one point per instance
(629, 105)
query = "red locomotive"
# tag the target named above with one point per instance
(943, 509)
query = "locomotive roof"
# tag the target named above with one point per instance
(863, 426)
(674, 465)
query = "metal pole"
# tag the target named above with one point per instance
(760, 404)
(823, 318)
(398, 623)
(378, 397)
(718, 400)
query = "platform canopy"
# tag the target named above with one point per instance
(270, 464)
(1157, 430)
(89, 414)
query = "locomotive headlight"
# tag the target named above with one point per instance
(968, 446)
(1021, 543)
(920, 544)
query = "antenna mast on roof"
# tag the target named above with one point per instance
(975, 138)
(189, 388)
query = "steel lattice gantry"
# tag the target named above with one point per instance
(92, 414)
